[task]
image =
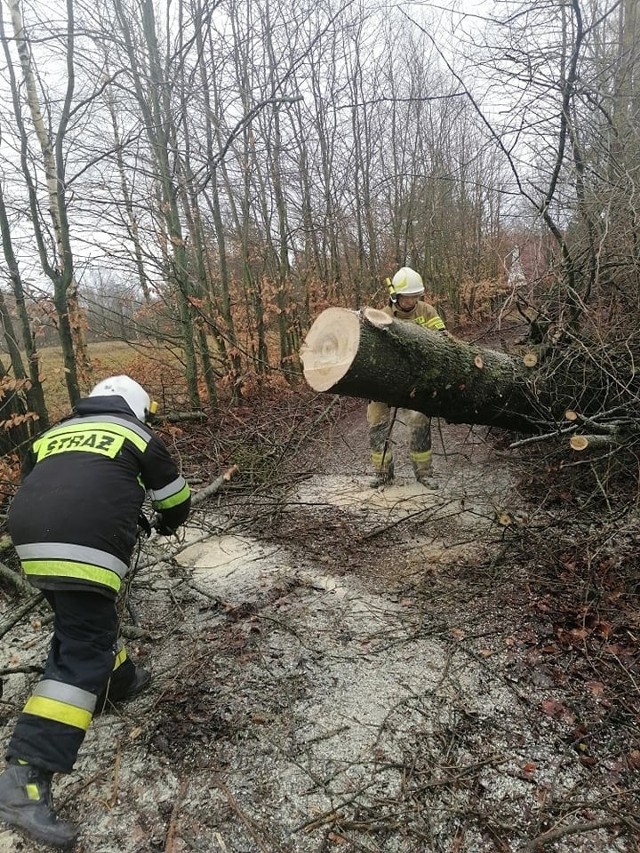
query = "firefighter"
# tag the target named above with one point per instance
(405, 290)
(74, 522)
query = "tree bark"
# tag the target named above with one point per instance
(34, 392)
(369, 354)
(60, 270)
(153, 97)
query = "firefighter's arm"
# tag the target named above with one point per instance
(169, 520)
(169, 491)
(27, 464)
(434, 321)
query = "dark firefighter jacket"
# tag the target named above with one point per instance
(74, 519)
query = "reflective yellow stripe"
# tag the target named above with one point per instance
(377, 458)
(435, 323)
(67, 569)
(54, 552)
(120, 658)
(52, 709)
(101, 441)
(171, 489)
(89, 425)
(173, 500)
(33, 792)
(421, 456)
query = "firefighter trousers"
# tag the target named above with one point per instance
(379, 420)
(84, 657)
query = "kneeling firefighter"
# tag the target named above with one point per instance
(74, 522)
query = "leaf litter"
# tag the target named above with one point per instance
(341, 668)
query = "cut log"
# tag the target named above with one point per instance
(593, 442)
(371, 355)
(579, 442)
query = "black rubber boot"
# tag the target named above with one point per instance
(140, 682)
(116, 692)
(382, 478)
(26, 804)
(427, 480)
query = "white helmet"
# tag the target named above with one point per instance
(133, 394)
(406, 282)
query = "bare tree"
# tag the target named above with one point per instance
(33, 391)
(152, 91)
(56, 256)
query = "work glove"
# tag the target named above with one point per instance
(163, 529)
(144, 525)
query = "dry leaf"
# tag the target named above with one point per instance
(633, 759)
(557, 710)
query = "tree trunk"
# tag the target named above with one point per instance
(35, 393)
(132, 219)
(70, 320)
(153, 96)
(369, 354)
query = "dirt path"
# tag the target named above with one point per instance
(333, 675)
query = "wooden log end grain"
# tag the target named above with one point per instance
(377, 318)
(579, 442)
(330, 347)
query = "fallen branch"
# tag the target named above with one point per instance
(133, 632)
(536, 439)
(169, 846)
(572, 829)
(113, 799)
(176, 417)
(15, 578)
(593, 442)
(247, 822)
(15, 670)
(213, 487)
(17, 615)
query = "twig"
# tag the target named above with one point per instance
(15, 578)
(176, 417)
(331, 814)
(572, 829)
(17, 615)
(171, 829)
(430, 510)
(220, 841)
(14, 670)
(72, 790)
(214, 487)
(248, 823)
(387, 438)
(536, 439)
(116, 776)
(133, 632)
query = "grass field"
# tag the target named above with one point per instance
(158, 368)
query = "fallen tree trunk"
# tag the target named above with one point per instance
(371, 355)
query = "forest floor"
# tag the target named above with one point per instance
(341, 668)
